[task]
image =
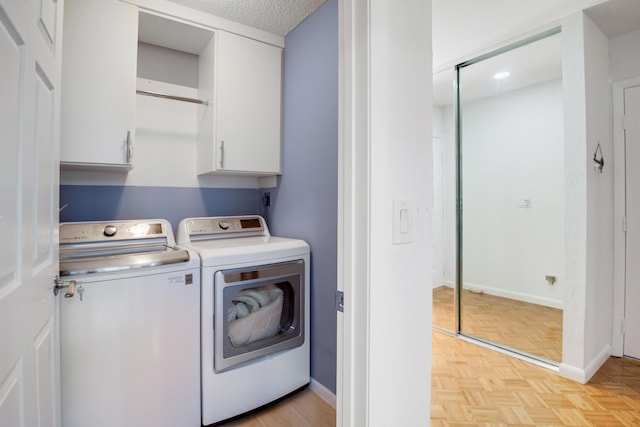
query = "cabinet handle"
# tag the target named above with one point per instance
(129, 147)
(222, 154)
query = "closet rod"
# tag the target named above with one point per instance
(175, 98)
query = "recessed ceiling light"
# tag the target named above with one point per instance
(501, 75)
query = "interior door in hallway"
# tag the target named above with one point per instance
(632, 282)
(29, 126)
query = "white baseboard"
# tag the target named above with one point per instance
(584, 375)
(572, 373)
(533, 299)
(598, 361)
(324, 393)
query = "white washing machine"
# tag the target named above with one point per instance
(255, 313)
(129, 326)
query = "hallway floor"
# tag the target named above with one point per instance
(475, 386)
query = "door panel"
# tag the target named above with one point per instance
(29, 126)
(632, 147)
(10, 398)
(45, 358)
(43, 174)
(12, 56)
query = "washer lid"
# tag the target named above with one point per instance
(124, 258)
(101, 247)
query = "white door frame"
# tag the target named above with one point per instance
(619, 208)
(353, 214)
(385, 157)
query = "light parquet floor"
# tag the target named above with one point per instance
(523, 326)
(475, 386)
(303, 409)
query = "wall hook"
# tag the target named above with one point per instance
(598, 163)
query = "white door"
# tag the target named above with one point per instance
(30, 34)
(632, 293)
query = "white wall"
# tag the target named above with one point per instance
(588, 202)
(513, 149)
(443, 194)
(443, 128)
(400, 169)
(599, 303)
(624, 56)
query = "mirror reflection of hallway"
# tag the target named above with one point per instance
(444, 196)
(511, 176)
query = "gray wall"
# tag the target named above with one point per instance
(305, 203)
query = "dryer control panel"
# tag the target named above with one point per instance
(226, 227)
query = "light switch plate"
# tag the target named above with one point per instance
(402, 222)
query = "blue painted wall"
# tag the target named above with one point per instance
(305, 203)
(107, 202)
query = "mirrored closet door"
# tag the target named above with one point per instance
(511, 187)
(499, 198)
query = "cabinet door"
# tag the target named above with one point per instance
(248, 105)
(98, 81)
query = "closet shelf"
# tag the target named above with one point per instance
(172, 97)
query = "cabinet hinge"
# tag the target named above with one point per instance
(623, 326)
(624, 224)
(624, 122)
(340, 301)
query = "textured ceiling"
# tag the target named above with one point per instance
(275, 16)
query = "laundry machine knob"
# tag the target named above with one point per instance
(224, 225)
(110, 230)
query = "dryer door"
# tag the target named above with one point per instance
(259, 310)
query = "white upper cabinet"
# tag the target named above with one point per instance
(238, 77)
(240, 131)
(98, 83)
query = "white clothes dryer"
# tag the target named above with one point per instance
(255, 313)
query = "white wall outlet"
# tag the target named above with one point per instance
(525, 202)
(402, 222)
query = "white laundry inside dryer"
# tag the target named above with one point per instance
(255, 314)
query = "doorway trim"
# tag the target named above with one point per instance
(619, 208)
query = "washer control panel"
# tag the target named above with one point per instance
(97, 232)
